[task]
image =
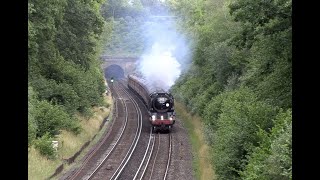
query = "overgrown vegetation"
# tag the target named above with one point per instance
(43, 166)
(64, 74)
(240, 83)
(45, 147)
(128, 38)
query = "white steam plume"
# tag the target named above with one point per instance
(161, 63)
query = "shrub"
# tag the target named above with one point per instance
(73, 126)
(86, 112)
(237, 118)
(273, 158)
(107, 105)
(205, 97)
(51, 118)
(44, 145)
(46, 117)
(32, 126)
(32, 129)
(57, 93)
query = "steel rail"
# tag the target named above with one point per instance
(155, 158)
(145, 154)
(169, 157)
(135, 141)
(117, 141)
(74, 175)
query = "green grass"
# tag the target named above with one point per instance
(200, 150)
(39, 167)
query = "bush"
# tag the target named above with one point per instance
(32, 126)
(237, 117)
(205, 97)
(44, 117)
(273, 158)
(57, 93)
(212, 111)
(73, 126)
(107, 105)
(32, 129)
(51, 118)
(44, 145)
(86, 112)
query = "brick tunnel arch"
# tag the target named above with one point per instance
(114, 71)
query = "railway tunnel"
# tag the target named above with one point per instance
(114, 71)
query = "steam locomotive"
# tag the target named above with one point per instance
(160, 103)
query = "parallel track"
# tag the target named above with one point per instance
(158, 169)
(134, 143)
(81, 171)
(155, 161)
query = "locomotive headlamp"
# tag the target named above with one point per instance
(153, 117)
(161, 117)
(167, 104)
(171, 118)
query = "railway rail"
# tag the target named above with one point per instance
(160, 159)
(115, 145)
(123, 154)
(121, 147)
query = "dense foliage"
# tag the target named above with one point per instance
(240, 83)
(64, 74)
(128, 37)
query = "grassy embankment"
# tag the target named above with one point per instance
(40, 167)
(200, 150)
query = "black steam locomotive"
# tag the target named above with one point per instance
(159, 103)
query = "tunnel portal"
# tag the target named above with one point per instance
(114, 71)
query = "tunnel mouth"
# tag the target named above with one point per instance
(114, 71)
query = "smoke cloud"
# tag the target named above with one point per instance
(161, 63)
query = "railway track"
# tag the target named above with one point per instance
(154, 162)
(133, 146)
(130, 150)
(118, 144)
(159, 160)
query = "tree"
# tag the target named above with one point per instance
(260, 18)
(80, 31)
(64, 67)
